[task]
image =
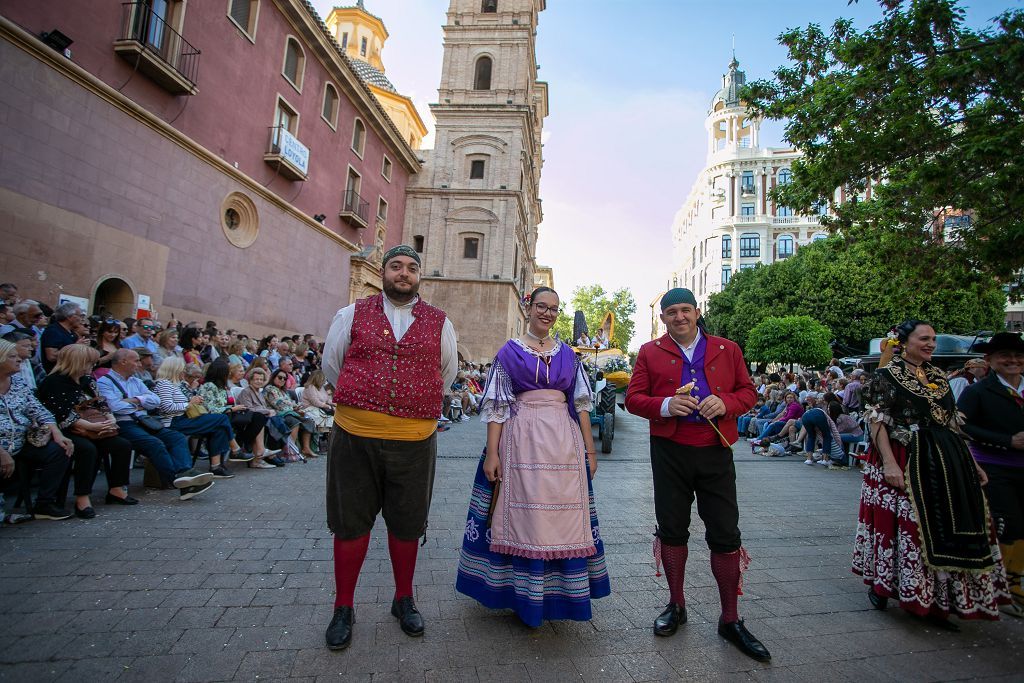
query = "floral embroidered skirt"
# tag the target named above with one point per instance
(887, 553)
(535, 589)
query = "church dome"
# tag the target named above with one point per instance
(372, 76)
(729, 94)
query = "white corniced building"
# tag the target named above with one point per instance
(728, 222)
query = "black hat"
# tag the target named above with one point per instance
(1002, 341)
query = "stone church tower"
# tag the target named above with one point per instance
(473, 211)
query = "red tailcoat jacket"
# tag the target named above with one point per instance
(656, 376)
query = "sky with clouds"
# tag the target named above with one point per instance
(630, 82)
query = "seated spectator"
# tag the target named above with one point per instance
(60, 332)
(744, 420)
(584, 340)
(847, 425)
(215, 428)
(146, 369)
(191, 346)
(268, 349)
(167, 347)
(277, 398)
(277, 431)
(143, 337)
(287, 366)
(236, 351)
(771, 410)
(129, 399)
(317, 402)
(69, 392)
(25, 342)
(250, 352)
(460, 390)
(9, 293)
(793, 411)
(107, 342)
(27, 316)
(218, 346)
(236, 376)
(24, 422)
(247, 425)
(851, 396)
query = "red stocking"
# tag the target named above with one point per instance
(348, 560)
(403, 564)
(674, 559)
(726, 568)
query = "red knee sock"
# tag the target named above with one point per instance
(403, 564)
(726, 568)
(674, 559)
(348, 560)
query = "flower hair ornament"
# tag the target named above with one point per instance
(527, 299)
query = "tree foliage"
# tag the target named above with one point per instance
(796, 339)
(859, 290)
(594, 301)
(932, 109)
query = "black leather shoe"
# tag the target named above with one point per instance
(669, 620)
(85, 513)
(409, 618)
(877, 601)
(737, 634)
(339, 633)
(127, 500)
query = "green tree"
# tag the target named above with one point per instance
(860, 289)
(563, 327)
(594, 302)
(793, 339)
(932, 109)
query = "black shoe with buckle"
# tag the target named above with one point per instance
(339, 633)
(669, 620)
(737, 634)
(409, 618)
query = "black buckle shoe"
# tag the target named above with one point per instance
(409, 618)
(669, 620)
(339, 633)
(737, 634)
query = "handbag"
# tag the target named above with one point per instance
(93, 410)
(150, 423)
(194, 410)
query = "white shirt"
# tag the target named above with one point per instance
(1019, 388)
(339, 338)
(688, 352)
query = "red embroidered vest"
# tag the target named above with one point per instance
(400, 378)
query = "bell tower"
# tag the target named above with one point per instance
(729, 125)
(474, 209)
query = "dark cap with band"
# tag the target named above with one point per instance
(678, 295)
(400, 250)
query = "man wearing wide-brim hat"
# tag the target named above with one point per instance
(993, 408)
(391, 357)
(692, 387)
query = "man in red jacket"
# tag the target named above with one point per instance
(692, 387)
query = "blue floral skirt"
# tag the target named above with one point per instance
(536, 590)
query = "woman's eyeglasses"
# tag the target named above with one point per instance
(542, 308)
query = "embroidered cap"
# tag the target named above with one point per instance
(400, 250)
(678, 295)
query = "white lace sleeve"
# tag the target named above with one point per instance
(583, 397)
(498, 398)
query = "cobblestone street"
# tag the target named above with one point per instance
(237, 585)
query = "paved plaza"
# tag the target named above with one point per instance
(238, 585)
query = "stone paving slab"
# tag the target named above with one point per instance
(238, 585)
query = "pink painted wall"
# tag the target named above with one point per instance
(238, 83)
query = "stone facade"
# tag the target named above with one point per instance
(473, 211)
(114, 186)
(728, 223)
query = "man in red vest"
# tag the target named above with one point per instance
(692, 387)
(393, 355)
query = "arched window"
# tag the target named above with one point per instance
(785, 176)
(330, 108)
(819, 236)
(482, 74)
(750, 245)
(786, 246)
(358, 138)
(294, 63)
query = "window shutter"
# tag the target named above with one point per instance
(291, 61)
(240, 11)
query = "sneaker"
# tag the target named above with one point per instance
(49, 511)
(17, 518)
(192, 477)
(221, 472)
(826, 463)
(464, 418)
(190, 492)
(261, 465)
(271, 452)
(442, 427)
(808, 461)
(242, 456)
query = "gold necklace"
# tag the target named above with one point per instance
(919, 372)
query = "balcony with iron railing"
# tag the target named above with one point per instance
(286, 154)
(355, 210)
(149, 43)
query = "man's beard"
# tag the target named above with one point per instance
(400, 297)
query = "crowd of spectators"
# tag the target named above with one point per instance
(83, 394)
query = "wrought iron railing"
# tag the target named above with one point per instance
(355, 204)
(147, 25)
